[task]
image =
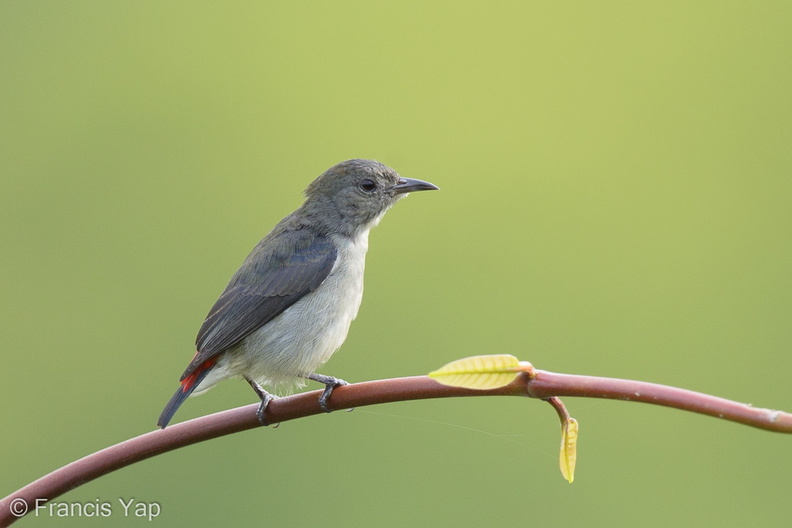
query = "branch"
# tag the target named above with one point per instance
(541, 384)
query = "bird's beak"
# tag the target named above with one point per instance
(406, 185)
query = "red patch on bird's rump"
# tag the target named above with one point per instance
(197, 374)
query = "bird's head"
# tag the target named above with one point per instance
(354, 195)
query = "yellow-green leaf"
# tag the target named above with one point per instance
(481, 372)
(569, 436)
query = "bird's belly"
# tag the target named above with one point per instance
(304, 336)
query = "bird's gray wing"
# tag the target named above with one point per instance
(280, 270)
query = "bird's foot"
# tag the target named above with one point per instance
(330, 383)
(265, 397)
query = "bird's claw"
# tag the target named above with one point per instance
(266, 398)
(262, 408)
(330, 384)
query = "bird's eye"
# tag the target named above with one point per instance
(367, 185)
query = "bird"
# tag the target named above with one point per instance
(289, 306)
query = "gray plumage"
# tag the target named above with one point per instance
(289, 306)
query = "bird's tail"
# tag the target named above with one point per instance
(188, 385)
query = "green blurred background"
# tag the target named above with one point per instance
(616, 188)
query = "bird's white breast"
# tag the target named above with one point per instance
(307, 333)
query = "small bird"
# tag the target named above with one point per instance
(288, 308)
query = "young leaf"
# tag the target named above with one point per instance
(481, 372)
(569, 435)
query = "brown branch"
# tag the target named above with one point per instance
(542, 385)
(549, 384)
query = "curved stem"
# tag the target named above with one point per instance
(549, 384)
(542, 385)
